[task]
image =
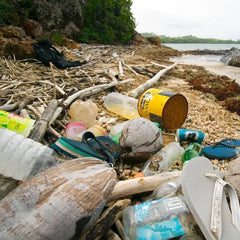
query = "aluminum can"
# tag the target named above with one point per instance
(189, 135)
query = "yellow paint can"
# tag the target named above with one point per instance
(168, 109)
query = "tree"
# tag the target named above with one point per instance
(108, 21)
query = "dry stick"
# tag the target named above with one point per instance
(41, 125)
(60, 90)
(140, 89)
(9, 107)
(140, 185)
(54, 82)
(130, 68)
(120, 229)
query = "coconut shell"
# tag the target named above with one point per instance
(140, 138)
(61, 203)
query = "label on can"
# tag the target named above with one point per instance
(16, 123)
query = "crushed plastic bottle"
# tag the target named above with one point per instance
(164, 159)
(192, 150)
(21, 158)
(160, 219)
(122, 105)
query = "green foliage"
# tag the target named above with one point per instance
(57, 38)
(5, 12)
(108, 21)
(188, 39)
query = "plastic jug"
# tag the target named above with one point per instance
(84, 112)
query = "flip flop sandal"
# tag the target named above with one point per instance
(225, 149)
(204, 193)
(99, 147)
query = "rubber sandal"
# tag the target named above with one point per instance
(225, 149)
(99, 147)
(203, 190)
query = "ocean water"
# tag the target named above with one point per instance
(200, 46)
(211, 63)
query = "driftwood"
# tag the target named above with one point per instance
(61, 203)
(7, 184)
(149, 83)
(106, 220)
(120, 229)
(41, 125)
(9, 107)
(140, 185)
(111, 235)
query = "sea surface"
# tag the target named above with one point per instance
(211, 63)
(201, 46)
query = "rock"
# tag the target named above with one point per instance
(60, 203)
(33, 28)
(65, 16)
(155, 41)
(232, 58)
(140, 138)
(15, 43)
(232, 175)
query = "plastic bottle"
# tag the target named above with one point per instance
(191, 151)
(122, 105)
(160, 219)
(168, 155)
(191, 236)
(84, 112)
(16, 123)
(167, 189)
(96, 130)
(21, 158)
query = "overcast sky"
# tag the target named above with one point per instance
(201, 18)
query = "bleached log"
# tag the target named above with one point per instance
(9, 107)
(92, 90)
(140, 185)
(148, 84)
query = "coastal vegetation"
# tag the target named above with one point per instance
(108, 21)
(188, 39)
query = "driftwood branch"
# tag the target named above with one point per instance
(140, 185)
(106, 220)
(41, 125)
(140, 89)
(9, 107)
(92, 90)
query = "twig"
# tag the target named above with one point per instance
(54, 82)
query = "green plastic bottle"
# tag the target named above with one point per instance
(193, 150)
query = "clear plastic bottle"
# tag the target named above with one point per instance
(191, 236)
(84, 112)
(160, 219)
(122, 105)
(167, 189)
(167, 156)
(21, 158)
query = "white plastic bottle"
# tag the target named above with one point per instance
(21, 158)
(160, 219)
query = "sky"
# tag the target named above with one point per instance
(201, 18)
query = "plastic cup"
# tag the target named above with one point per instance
(74, 128)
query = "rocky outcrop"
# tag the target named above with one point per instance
(13, 42)
(232, 58)
(64, 17)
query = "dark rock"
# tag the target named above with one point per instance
(232, 58)
(65, 16)
(33, 28)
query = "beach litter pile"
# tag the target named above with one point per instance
(148, 162)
